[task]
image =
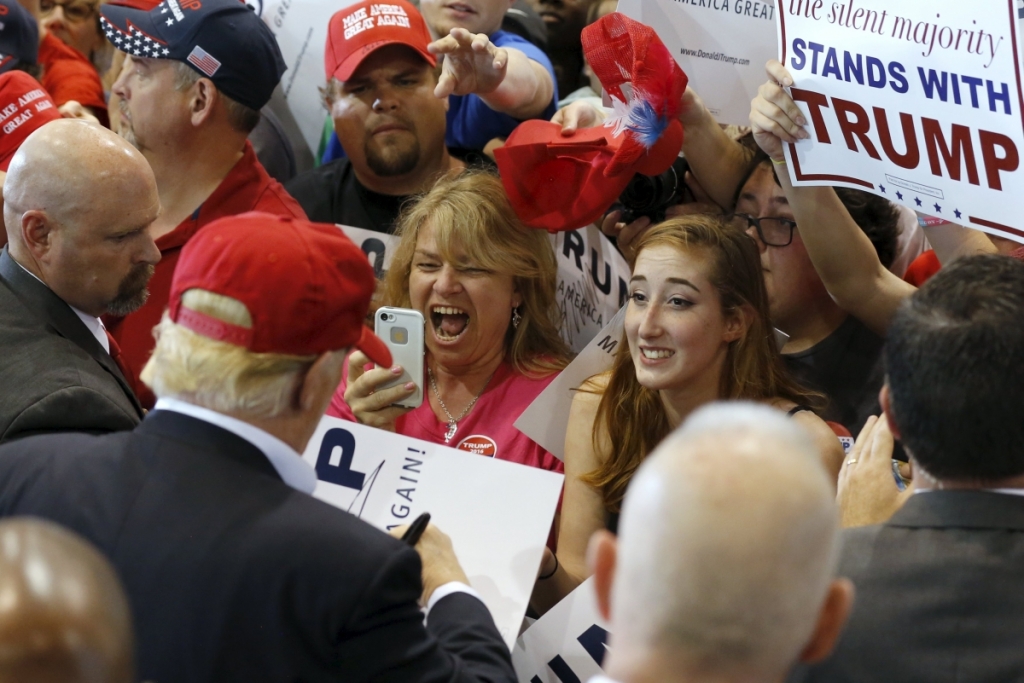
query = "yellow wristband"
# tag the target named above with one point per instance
(779, 162)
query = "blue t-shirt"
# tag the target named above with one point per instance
(472, 124)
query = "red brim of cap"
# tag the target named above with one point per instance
(144, 5)
(349, 65)
(555, 182)
(371, 345)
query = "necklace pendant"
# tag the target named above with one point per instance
(452, 426)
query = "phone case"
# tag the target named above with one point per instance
(402, 329)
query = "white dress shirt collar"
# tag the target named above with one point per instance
(290, 466)
(94, 324)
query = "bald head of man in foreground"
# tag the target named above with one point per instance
(78, 203)
(64, 617)
(725, 565)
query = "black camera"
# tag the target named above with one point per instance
(651, 195)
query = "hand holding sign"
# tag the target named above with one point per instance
(774, 116)
(372, 406)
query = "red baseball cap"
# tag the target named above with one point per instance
(558, 182)
(144, 5)
(306, 285)
(24, 107)
(359, 29)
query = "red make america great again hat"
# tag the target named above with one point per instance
(306, 286)
(358, 30)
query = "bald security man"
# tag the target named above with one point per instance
(78, 203)
(64, 617)
(725, 565)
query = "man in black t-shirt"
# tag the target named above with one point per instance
(380, 92)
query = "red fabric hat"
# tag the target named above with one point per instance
(144, 5)
(306, 285)
(559, 183)
(359, 29)
(24, 107)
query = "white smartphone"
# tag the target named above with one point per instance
(401, 329)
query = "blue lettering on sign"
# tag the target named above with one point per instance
(593, 641)
(563, 671)
(341, 474)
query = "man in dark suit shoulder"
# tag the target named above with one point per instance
(78, 202)
(937, 584)
(234, 572)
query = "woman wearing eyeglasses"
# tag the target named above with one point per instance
(76, 23)
(75, 56)
(697, 330)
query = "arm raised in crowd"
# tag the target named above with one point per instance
(951, 241)
(504, 78)
(841, 252)
(717, 161)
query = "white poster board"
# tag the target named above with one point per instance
(546, 419)
(566, 644)
(497, 513)
(721, 45)
(593, 283)
(593, 278)
(300, 27)
(919, 102)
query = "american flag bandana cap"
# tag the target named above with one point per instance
(223, 40)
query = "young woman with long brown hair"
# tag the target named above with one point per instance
(697, 330)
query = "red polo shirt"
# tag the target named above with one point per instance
(246, 188)
(69, 75)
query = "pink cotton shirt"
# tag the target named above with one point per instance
(488, 429)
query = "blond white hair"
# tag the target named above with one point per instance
(218, 375)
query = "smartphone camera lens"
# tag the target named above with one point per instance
(384, 317)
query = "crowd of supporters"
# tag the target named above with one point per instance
(802, 463)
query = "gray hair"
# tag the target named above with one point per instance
(728, 543)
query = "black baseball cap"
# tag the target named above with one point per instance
(19, 36)
(222, 40)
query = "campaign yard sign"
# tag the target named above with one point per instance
(567, 644)
(300, 27)
(721, 45)
(547, 418)
(497, 513)
(918, 101)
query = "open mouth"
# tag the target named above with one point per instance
(657, 354)
(449, 322)
(463, 9)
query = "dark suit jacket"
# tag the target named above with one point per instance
(233, 575)
(940, 594)
(54, 375)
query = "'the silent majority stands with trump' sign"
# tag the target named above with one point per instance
(918, 101)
